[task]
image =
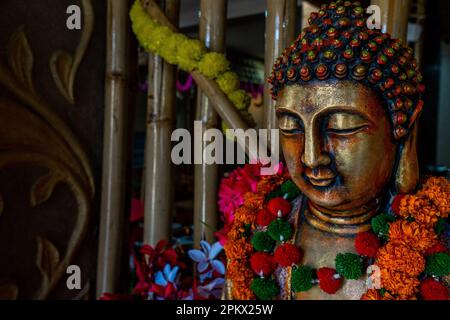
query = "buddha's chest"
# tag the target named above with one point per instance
(319, 250)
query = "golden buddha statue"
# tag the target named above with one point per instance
(347, 103)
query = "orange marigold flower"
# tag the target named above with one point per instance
(238, 271)
(245, 215)
(398, 257)
(236, 231)
(264, 187)
(269, 183)
(409, 204)
(371, 294)
(399, 283)
(238, 249)
(412, 234)
(437, 190)
(388, 296)
(240, 275)
(254, 201)
(242, 292)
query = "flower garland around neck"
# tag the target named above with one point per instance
(189, 55)
(403, 243)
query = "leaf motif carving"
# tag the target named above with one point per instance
(43, 188)
(47, 258)
(8, 291)
(63, 65)
(20, 58)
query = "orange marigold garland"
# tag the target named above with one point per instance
(411, 239)
(238, 247)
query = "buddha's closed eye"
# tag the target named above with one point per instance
(346, 124)
(290, 124)
(342, 124)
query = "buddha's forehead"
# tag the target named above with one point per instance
(318, 97)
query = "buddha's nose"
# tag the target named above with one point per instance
(313, 155)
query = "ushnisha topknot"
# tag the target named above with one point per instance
(339, 45)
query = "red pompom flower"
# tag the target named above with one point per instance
(262, 264)
(279, 204)
(329, 280)
(264, 218)
(287, 255)
(396, 203)
(436, 248)
(431, 289)
(367, 244)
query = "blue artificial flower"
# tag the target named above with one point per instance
(168, 274)
(207, 257)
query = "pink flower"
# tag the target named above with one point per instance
(221, 235)
(233, 188)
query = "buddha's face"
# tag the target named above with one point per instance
(337, 142)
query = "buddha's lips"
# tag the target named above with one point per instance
(321, 177)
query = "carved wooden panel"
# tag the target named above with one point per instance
(51, 103)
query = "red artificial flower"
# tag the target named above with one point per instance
(287, 255)
(328, 281)
(168, 292)
(262, 263)
(160, 255)
(142, 273)
(264, 218)
(279, 204)
(436, 248)
(115, 297)
(396, 203)
(367, 244)
(431, 289)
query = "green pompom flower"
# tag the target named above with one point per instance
(301, 279)
(189, 53)
(228, 82)
(438, 265)
(440, 226)
(349, 265)
(280, 230)
(262, 242)
(213, 64)
(380, 224)
(291, 189)
(274, 194)
(264, 288)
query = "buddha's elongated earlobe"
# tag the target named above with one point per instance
(407, 175)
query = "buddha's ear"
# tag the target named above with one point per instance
(407, 175)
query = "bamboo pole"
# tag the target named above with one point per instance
(114, 149)
(160, 120)
(421, 16)
(394, 16)
(223, 106)
(280, 32)
(213, 15)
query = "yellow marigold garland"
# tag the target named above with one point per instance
(188, 54)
